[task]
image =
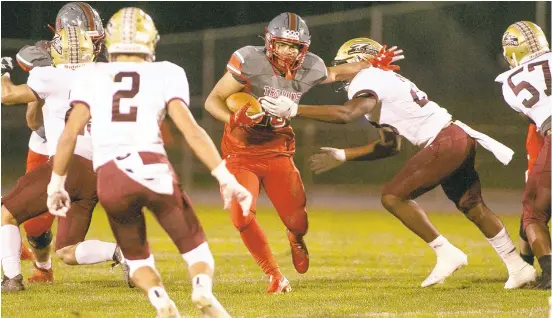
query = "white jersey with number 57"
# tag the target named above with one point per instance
(527, 89)
(401, 105)
(127, 102)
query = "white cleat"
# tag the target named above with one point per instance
(207, 303)
(169, 310)
(446, 265)
(522, 277)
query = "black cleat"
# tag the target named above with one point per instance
(543, 282)
(10, 285)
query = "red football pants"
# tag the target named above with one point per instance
(42, 223)
(533, 144)
(283, 185)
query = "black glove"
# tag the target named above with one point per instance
(7, 65)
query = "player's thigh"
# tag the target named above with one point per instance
(248, 176)
(39, 224)
(122, 199)
(431, 165)
(177, 217)
(73, 227)
(28, 198)
(536, 196)
(284, 187)
(34, 160)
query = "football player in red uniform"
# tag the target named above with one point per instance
(260, 151)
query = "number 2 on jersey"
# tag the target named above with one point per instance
(116, 114)
(535, 95)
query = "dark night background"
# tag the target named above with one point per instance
(453, 53)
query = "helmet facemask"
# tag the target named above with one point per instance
(291, 29)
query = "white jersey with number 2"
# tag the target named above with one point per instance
(127, 102)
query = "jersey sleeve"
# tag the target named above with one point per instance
(237, 65)
(369, 81)
(317, 70)
(41, 81)
(176, 84)
(82, 87)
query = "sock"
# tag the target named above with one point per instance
(255, 240)
(158, 297)
(94, 251)
(504, 247)
(204, 281)
(544, 262)
(529, 259)
(11, 250)
(44, 265)
(439, 245)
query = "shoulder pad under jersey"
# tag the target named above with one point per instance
(316, 69)
(31, 56)
(247, 62)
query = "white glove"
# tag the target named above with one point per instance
(326, 159)
(230, 188)
(282, 106)
(58, 201)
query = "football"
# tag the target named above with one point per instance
(238, 100)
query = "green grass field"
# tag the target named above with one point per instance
(362, 264)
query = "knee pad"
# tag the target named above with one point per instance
(133, 265)
(41, 241)
(200, 254)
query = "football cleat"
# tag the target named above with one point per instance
(278, 286)
(168, 310)
(543, 282)
(447, 264)
(10, 285)
(299, 253)
(41, 275)
(205, 301)
(521, 277)
(119, 259)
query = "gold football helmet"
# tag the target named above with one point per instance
(523, 41)
(71, 45)
(131, 31)
(356, 50)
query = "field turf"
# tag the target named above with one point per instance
(363, 263)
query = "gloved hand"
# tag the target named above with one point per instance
(241, 119)
(328, 158)
(58, 201)
(282, 106)
(385, 57)
(7, 64)
(231, 189)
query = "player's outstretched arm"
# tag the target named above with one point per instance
(327, 158)
(349, 112)
(33, 115)
(58, 201)
(16, 94)
(205, 150)
(215, 103)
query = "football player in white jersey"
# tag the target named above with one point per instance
(527, 88)
(127, 99)
(71, 49)
(395, 106)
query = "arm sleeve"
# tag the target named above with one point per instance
(40, 82)
(237, 66)
(368, 82)
(176, 84)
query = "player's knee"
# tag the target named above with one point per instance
(522, 233)
(41, 241)
(470, 206)
(67, 255)
(7, 217)
(241, 223)
(135, 264)
(389, 201)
